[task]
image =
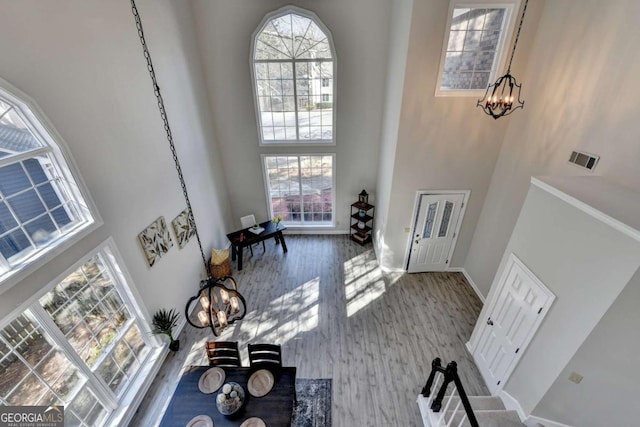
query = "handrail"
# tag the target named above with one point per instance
(450, 374)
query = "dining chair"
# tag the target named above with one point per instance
(248, 221)
(223, 353)
(265, 356)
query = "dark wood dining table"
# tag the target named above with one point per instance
(275, 409)
(241, 239)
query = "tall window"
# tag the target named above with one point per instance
(80, 345)
(40, 203)
(301, 188)
(474, 46)
(293, 67)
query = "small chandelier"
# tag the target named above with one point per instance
(499, 99)
(220, 305)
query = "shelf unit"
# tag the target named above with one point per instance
(361, 214)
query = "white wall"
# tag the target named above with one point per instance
(360, 31)
(444, 143)
(585, 263)
(396, 67)
(81, 61)
(579, 90)
(608, 394)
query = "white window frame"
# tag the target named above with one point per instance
(333, 184)
(66, 168)
(310, 15)
(120, 406)
(511, 7)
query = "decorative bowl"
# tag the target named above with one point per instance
(230, 399)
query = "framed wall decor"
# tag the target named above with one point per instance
(155, 240)
(183, 227)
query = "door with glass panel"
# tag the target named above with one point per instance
(434, 231)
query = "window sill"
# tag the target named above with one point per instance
(139, 387)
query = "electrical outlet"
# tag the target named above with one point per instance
(575, 377)
(407, 229)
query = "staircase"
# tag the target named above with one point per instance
(455, 408)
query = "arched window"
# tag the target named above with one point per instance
(40, 202)
(294, 78)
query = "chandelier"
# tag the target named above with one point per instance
(221, 305)
(501, 99)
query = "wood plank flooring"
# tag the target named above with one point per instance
(338, 315)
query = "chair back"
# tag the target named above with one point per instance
(248, 221)
(223, 353)
(265, 356)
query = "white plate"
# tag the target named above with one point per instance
(200, 421)
(211, 380)
(260, 383)
(253, 422)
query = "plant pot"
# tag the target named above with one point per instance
(174, 345)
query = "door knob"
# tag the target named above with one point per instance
(489, 321)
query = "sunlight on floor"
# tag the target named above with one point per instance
(363, 282)
(287, 316)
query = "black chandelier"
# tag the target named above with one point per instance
(221, 305)
(500, 98)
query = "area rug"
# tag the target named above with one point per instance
(313, 408)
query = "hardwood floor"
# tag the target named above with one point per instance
(338, 315)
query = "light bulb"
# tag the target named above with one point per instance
(235, 305)
(204, 319)
(222, 318)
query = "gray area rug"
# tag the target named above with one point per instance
(313, 408)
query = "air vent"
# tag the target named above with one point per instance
(585, 160)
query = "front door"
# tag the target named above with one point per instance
(434, 231)
(514, 314)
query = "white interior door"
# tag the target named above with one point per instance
(434, 231)
(515, 312)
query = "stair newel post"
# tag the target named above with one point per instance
(449, 374)
(435, 367)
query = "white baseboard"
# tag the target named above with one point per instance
(470, 280)
(313, 231)
(512, 404)
(534, 421)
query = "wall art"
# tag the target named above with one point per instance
(155, 240)
(183, 227)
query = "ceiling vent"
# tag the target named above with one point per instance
(585, 160)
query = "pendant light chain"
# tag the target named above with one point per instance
(515, 43)
(163, 115)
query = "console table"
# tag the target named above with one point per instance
(243, 238)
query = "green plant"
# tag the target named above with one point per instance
(164, 321)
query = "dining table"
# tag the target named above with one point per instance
(241, 239)
(275, 408)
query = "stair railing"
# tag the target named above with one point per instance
(449, 374)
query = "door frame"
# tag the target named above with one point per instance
(416, 212)
(490, 305)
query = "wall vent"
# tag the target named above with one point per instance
(585, 160)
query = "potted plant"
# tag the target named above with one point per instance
(163, 323)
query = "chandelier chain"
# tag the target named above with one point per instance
(167, 128)
(515, 43)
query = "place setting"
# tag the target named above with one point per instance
(211, 380)
(260, 383)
